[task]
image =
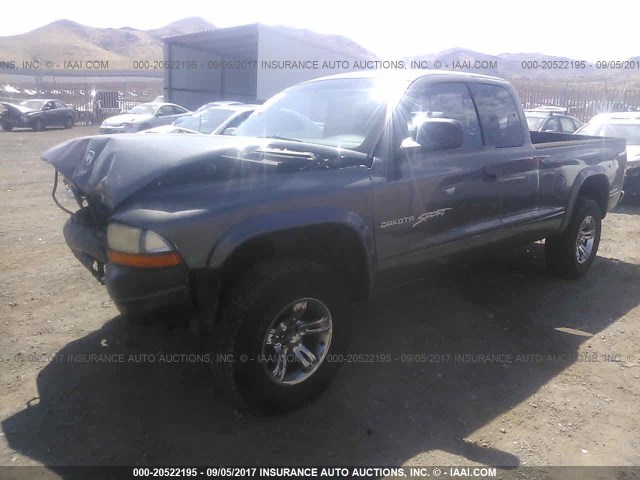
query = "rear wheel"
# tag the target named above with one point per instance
(38, 125)
(7, 127)
(279, 335)
(571, 254)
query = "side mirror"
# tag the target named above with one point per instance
(434, 134)
(229, 131)
(46, 107)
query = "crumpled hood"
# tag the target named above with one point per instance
(112, 168)
(17, 109)
(127, 118)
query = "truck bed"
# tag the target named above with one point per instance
(542, 140)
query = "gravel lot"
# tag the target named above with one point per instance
(561, 387)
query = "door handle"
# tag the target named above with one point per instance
(490, 174)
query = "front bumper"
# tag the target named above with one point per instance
(17, 122)
(118, 129)
(632, 180)
(138, 291)
(135, 291)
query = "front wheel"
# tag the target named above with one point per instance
(281, 335)
(571, 254)
(38, 125)
(68, 123)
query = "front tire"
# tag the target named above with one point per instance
(68, 123)
(571, 254)
(38, 125)
(280, 334)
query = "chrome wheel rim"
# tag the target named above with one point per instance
(586, 239)
(297, 341)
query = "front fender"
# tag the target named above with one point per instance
(288, 220)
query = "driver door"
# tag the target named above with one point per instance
(49, 114)
(436, 197)
(165, 116)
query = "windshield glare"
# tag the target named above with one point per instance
(145, 108)
(630, 132)
(205, 121)
(337, 113)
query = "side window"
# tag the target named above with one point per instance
(501, 124)
(445, 100)
(239, 119)
(166, 110)
(60, 105)
(567, 125)
(552, 125)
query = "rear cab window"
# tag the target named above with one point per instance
(499, 118)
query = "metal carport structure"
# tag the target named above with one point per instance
(245, 63)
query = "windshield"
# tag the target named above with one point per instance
(629, 131)
(33, 104)
(534, 121)
(336, 113)
(205, 121)
(145, 108)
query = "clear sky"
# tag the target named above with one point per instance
(392, 29)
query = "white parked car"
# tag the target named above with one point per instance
(144, 116)
(213, 121)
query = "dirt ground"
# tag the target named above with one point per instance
(561, 386)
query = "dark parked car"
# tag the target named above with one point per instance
(211, 121)
(37, 114)
(622, 125)
(267, 234)
(550, 120)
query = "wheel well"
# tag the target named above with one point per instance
(336, 247)
(597, 188)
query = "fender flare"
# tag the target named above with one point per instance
(590, 172)
(265, 224)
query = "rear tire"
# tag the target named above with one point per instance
(571, 254)
(283, 315)
(7, 127)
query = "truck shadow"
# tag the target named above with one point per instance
(431, 393)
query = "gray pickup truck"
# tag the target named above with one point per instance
(267, 234)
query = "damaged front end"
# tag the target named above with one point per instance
(83, 233)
